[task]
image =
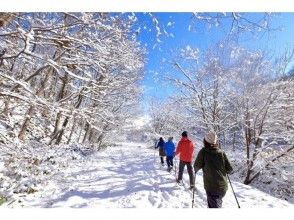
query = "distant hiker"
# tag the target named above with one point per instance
(169, 149)
(160, 145)
(215, 165)
(185, 148)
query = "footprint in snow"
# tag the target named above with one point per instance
(152, 199)
(165, 196)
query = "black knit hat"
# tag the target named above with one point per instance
(185, 134)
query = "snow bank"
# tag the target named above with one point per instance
(26, 169)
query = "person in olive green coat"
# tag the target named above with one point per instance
(215, 165)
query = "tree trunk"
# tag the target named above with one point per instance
(248, 142)
(57, 123)
(87, 128)
(6, 107)
(72, 131)
(249, 172)
(99, 141)
(21, 134)
(61, 132)
(234, 141)
(31, 109)
(248, 159)
(61, 94)
(80, 133)
(90, 137)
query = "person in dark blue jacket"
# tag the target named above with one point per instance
(160, 145)
(169, 149)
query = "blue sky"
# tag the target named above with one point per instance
(177, 25)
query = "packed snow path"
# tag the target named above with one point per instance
(130, 176)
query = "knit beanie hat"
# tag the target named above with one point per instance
(211, 137)
(185, 134)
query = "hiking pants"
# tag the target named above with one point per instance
(169, 161)
(214, 200)
(161, 160)
(190, 171)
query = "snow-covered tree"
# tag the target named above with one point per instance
(237, 92)
(61, 72)
(167, 117)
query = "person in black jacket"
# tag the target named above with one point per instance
(160, 145)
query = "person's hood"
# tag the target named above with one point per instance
(212, 150)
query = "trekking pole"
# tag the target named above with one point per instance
(154, 156)
(233, 191)
(194, 192)
(175, 168)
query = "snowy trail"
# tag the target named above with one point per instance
(126, 176)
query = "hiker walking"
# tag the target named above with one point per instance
(160, 145)
(185, 149)
(215, 165)
(169, 148)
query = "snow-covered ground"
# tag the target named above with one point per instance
(129, 175)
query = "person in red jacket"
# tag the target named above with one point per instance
(185, 148)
